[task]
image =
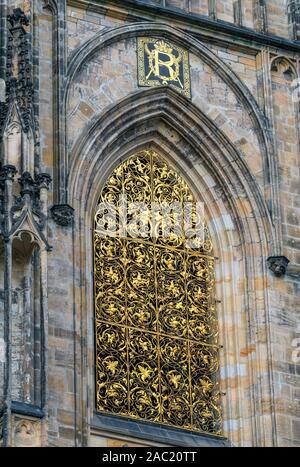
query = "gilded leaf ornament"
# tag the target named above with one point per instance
(156, 325)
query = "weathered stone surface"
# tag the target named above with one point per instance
(235, 141)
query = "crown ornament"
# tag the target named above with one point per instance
(163, 46)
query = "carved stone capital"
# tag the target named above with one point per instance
(8, 172)
(43, 180)
(18, 18)
(62, 214)
(278, 265)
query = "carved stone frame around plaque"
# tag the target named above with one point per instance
(163, 63)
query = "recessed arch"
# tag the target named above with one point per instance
(81, 55)
(196, 130)
(261, 124)
(239, 223)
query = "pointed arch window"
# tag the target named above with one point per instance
(155, 320)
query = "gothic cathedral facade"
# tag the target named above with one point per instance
(118, 328)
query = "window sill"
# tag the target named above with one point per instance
(156, 433)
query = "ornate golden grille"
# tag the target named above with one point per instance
(156, 326)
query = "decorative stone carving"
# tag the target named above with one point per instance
(24, 433)
(62, 214)
(27, 433)
(27, 183)
(293, 11)
(278, 265)
(19, 81)
(7, 173)
(18, 18)
(43, 180)
(283, 68)
(23, 215)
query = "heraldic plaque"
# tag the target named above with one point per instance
(161, 63)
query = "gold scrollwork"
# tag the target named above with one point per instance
(156, 325)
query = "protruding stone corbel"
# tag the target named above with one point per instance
(8, 172)
(43, 180)
(63, 214)
(278, 265)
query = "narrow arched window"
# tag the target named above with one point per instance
(156, 327)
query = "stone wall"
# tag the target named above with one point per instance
(236, 142)
(241, 12)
